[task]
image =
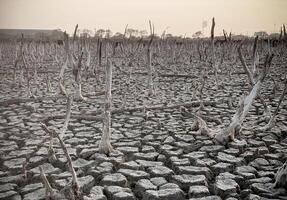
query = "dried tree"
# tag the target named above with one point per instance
(233, 129)
(251, 77)
(27, 75)
(272, 120)
(228, 134)
(74, 187)
(255, 57)
(149, 60)
(18, 59)
(78, 78)
(105, 143)
(99, 63)
(224, 136)
(50, 193)
(48, 82)
(202, 85)
(213, 64)
(65, 65)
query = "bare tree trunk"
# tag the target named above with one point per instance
(99, 64)
(202, 82)
(75, 187)
(50, 193)
(214, 65)
(149, 58)
(64, 66)
(228, 134)
(251, 77)
(27, 74)
(17, 60)
(150, 81)
(61, 79)
(48, 83)
(254, 55)
(272, 120)
(105, 143)
(78, 78)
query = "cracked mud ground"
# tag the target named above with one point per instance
(157, 156)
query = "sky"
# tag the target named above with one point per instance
(179, 17)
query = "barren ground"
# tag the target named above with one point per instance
(158, 155)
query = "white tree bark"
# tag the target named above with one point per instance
(214, 65)
(149, 61)
(150, 80)
(78, 79)
(105, 143)
(229, 134)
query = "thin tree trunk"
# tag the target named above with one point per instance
(105, 143)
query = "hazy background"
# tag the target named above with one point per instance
(181, 16)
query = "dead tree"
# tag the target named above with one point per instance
(284, 34)
(251, 77)
(48, 82)
(225, 36)
(195, 86)
(214, 65)
(198, 48)
(88, 62)
(149, 60)
(27, 75)
(105, 143)
(78, 78)
(202, 85)
(65, 65)
(233, 129)
(18, 59)
(99, 61)
(255, 57)
(272, 120)
(67, 117)
(224, 136)
(228, 134)
(50, 193)
(73, 187)
(51, 153)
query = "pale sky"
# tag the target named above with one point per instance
(181, 16)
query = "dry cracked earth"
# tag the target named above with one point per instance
(157, 154)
